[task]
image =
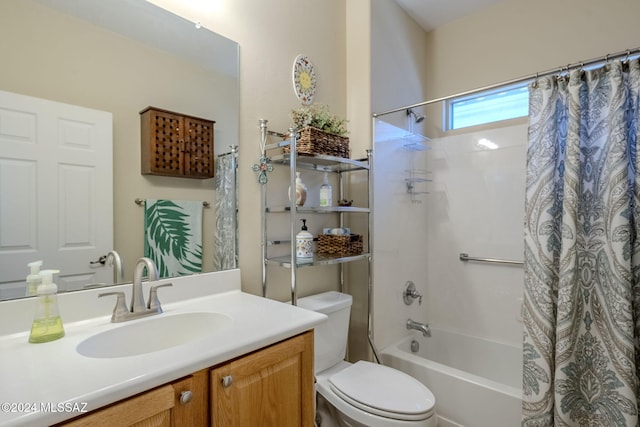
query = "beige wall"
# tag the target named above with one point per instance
(516, 38)
(54, 56)
(271, 34)
(343, 39)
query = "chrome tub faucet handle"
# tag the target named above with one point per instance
(410, 293)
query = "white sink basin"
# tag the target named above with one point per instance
(152, 334)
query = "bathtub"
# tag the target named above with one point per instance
(476, 382)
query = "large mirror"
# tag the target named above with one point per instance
(119, 57)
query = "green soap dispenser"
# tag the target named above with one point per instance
(33, 279)
(47, 324)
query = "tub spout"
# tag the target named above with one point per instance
(422, 327)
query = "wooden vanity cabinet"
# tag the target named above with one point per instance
(191, 395)
(149, 409)
(174, 144)
(181, 403)
(271, 387)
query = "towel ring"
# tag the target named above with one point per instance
(140, 202)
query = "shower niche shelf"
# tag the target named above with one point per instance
(280, 252)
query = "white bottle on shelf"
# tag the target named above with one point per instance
(326, 198)
(304, 242)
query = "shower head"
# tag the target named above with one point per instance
(413, 114)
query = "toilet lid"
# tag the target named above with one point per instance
(383, 391)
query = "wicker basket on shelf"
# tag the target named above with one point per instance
(313, 141)
(340, 245)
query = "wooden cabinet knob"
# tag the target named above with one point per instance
(227, 381)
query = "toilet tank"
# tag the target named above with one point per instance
(330, 337)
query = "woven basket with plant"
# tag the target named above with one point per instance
(320, 132)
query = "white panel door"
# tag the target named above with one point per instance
(56, 191)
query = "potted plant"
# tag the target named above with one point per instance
(320, 131)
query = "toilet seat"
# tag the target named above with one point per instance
(383, 391)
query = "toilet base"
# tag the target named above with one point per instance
(328, 416)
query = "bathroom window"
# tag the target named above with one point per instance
(486, 107)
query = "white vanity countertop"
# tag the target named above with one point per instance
(53, 377)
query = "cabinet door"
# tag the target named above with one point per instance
(162, 143)
(191, 399)
(272, 387)
(149, 409)
(198, 156)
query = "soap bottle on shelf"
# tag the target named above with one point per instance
(326, 198)
(301, 191)
(47, 324)
(33, 279)
(304, 242)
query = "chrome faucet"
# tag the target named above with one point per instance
(113, 258)
(422, 327)
(138, 308)
(137, 300)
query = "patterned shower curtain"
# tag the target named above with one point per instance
(225, 254)
(582, 256)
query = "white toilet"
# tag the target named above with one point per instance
(362, 394)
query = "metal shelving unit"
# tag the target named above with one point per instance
(319, 163)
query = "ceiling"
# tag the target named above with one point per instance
(431, 14)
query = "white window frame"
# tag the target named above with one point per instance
(512, 99)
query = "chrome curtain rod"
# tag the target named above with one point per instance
(557, 70)
(466, 257)
(138, 201)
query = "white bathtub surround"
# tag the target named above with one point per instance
(475, 204)
(400, 233)
(55, 372)
(476, 382)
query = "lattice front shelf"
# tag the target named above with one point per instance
(175, 144)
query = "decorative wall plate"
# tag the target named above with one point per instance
(304, 79)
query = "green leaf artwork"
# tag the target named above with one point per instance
(173, 236)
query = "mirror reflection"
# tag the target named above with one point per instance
(105, 62)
